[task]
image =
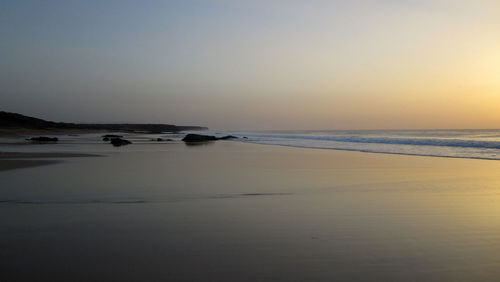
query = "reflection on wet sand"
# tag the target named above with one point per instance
(244, 212)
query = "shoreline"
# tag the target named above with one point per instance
(26, 132)
(17, 160)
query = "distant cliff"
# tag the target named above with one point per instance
(14, 120)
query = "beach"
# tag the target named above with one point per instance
(297, 141)
(15, 160)
(231, 211)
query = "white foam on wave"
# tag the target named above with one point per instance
(460, 144)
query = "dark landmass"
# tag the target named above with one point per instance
(10, 121)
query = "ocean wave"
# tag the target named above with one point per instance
(414, 141)
(473, 144)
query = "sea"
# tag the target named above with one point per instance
(476, 144)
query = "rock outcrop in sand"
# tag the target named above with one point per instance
(205, 138)
(43, 139)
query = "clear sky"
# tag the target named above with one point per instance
(358, 64)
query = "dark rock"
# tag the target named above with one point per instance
(159, 139)
(119, 142)
(43, 139)
(198, 138)
(204, 138)
(112, 136)
(105, 139)
(245, 137)
(228, 137)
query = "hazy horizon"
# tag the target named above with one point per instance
(254, 65)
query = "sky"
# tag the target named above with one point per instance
(254, 65)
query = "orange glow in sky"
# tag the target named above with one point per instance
(360, 64)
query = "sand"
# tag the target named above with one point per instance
(16, 160)
(230, 211)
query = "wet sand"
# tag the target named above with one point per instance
(16, 160)
(229, 211)
(16, 164)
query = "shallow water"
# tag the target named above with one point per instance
(229, 211)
